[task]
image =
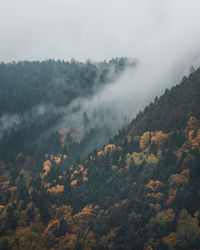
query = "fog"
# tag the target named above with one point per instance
(162, 35)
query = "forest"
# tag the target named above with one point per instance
(140, 189)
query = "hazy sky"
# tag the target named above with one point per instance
(95, 29)
(164, 35)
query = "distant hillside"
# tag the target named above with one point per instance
(24, 85)
(35, 99)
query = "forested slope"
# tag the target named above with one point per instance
(141, 191)
(172, 110)
(35, 99)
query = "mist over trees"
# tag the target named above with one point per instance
(39, 100)
(139, 191)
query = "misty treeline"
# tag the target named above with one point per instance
(140, 191)
(37, 99)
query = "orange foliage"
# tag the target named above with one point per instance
(64, 157)
(80, 167)
(76, 172)
(144, 140)
(169, 201)
(156, 196)
(153, 185)
(13, 188)
(195, 142)
(158, 137)
(46, 167)
(85, 172)
(52, 226)
(1, 207)
(57, 189)
(74, 183)
(107, 148)
(47, 185)
(57, 159)
(85, 178)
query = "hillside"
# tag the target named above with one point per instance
(40, 99)
(172, 110)
(140, 191)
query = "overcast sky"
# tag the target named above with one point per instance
(95, 29)
(164, 35)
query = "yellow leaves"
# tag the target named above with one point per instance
(187, 234)
(144, 140)
(149, 138)
(152, 159)
(138, 158)
(56, 190)
(180, 179)
(158, 138)
(85, 215)
(163, 218)
(193, 133)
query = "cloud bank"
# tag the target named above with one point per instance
(163, 35)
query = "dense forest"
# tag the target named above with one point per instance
(141, 190)
(40, 105)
